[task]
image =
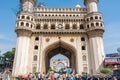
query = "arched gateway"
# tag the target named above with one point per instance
(44, 32)
(60, 47)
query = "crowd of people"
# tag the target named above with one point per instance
(67, 74)
(63, 74)
(57, 76)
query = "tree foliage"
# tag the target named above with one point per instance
(84, 73)
(118, 54)
(106, 71)
(10, 54)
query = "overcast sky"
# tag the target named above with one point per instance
(109, 8)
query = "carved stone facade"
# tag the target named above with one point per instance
(44, 32)
(55, 62)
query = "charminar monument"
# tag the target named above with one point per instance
(42, 32)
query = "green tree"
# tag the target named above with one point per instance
(118, 54)
(84, 73)
(10, 54)
(106, 71)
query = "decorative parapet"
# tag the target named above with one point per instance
(54, 10)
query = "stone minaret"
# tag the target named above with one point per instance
(28, 5)
(24, 26)
(95, 29)
(91, 5)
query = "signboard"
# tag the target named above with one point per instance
(112, 55)
(112, 61)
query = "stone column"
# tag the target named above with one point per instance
(20, 66)
(79, 56)
(96, 51)
(41, 56)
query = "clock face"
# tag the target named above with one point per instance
(60, 26)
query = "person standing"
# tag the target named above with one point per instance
(64, 76)
(56, 75)
(51, 77)
(72, 76)
(0, 76)
(6, 74)
(60, 77)
(43, 76)
(40, 76)
(114, 78)
(31, 76)
(77, 77)
(28, 76)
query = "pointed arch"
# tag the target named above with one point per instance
(61, 43)
(53, 49)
